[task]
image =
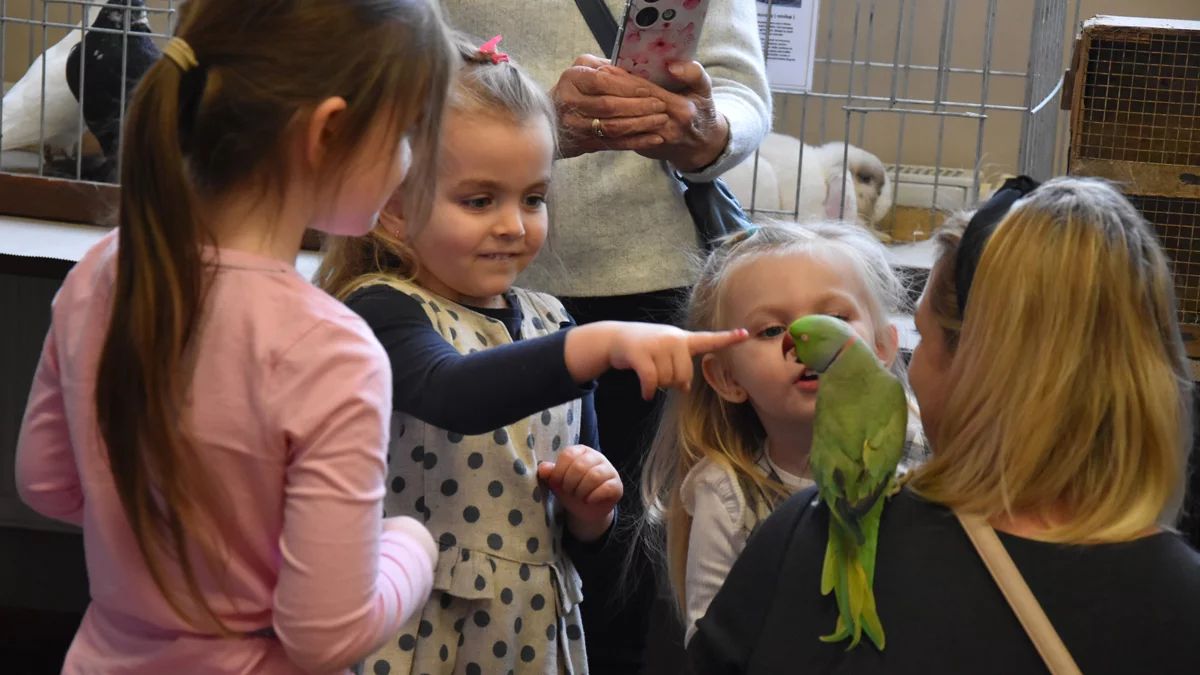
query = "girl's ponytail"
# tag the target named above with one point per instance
(145, 366)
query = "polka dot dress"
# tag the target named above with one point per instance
(505, 597)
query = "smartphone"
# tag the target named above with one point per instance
(656, 33)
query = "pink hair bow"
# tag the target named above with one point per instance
(489, 48)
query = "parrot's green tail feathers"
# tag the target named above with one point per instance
(871, 624)
(845, 575)
(857, 578)
(829, 572)
(840, 632)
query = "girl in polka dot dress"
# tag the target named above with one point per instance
(494, 431)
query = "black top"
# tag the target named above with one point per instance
(473, 393)
(480, 392)
(1119, 608)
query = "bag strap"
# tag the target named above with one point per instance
(601, 22)
(1033, 619)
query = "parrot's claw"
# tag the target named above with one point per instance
(899, 484)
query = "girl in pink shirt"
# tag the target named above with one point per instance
(215, 424)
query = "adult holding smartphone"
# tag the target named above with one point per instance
(622, 238)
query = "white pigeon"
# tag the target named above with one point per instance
(22, 124)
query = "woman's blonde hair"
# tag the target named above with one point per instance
(1069, 391)
(699, 423)
(494, 87)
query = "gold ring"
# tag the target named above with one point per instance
(596, 128)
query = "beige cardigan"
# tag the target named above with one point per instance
(618, 221)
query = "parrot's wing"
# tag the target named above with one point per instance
(836, 473)
(884, 447)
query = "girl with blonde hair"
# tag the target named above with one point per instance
(1056, 392)
(494, 437)
(736, 443)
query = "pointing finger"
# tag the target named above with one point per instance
(683, 370)
(703, 343)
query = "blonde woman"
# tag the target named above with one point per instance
(1059, 410)
(736, 443)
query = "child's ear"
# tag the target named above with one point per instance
(721, 380)
(391, 218)
(891, 345)
(320, 129)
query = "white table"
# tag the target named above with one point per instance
(64, 241)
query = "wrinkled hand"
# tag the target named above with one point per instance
(694, 134)
(662, 355)
(623, 103)
(588, 487)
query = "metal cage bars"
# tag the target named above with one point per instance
(45, 24)
(1042, 146)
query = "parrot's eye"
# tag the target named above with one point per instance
(771, 332)
(804, 337)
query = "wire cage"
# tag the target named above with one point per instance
(1136, 120)
(1141, 98)
(48, 51)
(950, 96)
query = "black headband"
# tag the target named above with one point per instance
(979, 230)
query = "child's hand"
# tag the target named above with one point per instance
(414, 529)
(588, 487)
(660, 355)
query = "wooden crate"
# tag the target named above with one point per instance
(1134, 93)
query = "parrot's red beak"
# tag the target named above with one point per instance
(789, 345)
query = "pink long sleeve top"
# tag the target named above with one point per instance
(290, 409)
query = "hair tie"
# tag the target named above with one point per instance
(734, 239)
(980, 229)
(489, 49)
(181, 54)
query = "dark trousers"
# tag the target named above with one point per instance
(616, 616)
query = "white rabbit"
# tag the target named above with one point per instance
(872, 185)
(766, 194)
(821, 196)
(861, 194)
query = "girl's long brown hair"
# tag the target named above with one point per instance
(202, 135)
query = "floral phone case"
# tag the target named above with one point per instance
(656, 33)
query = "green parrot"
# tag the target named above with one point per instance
(858, 440)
